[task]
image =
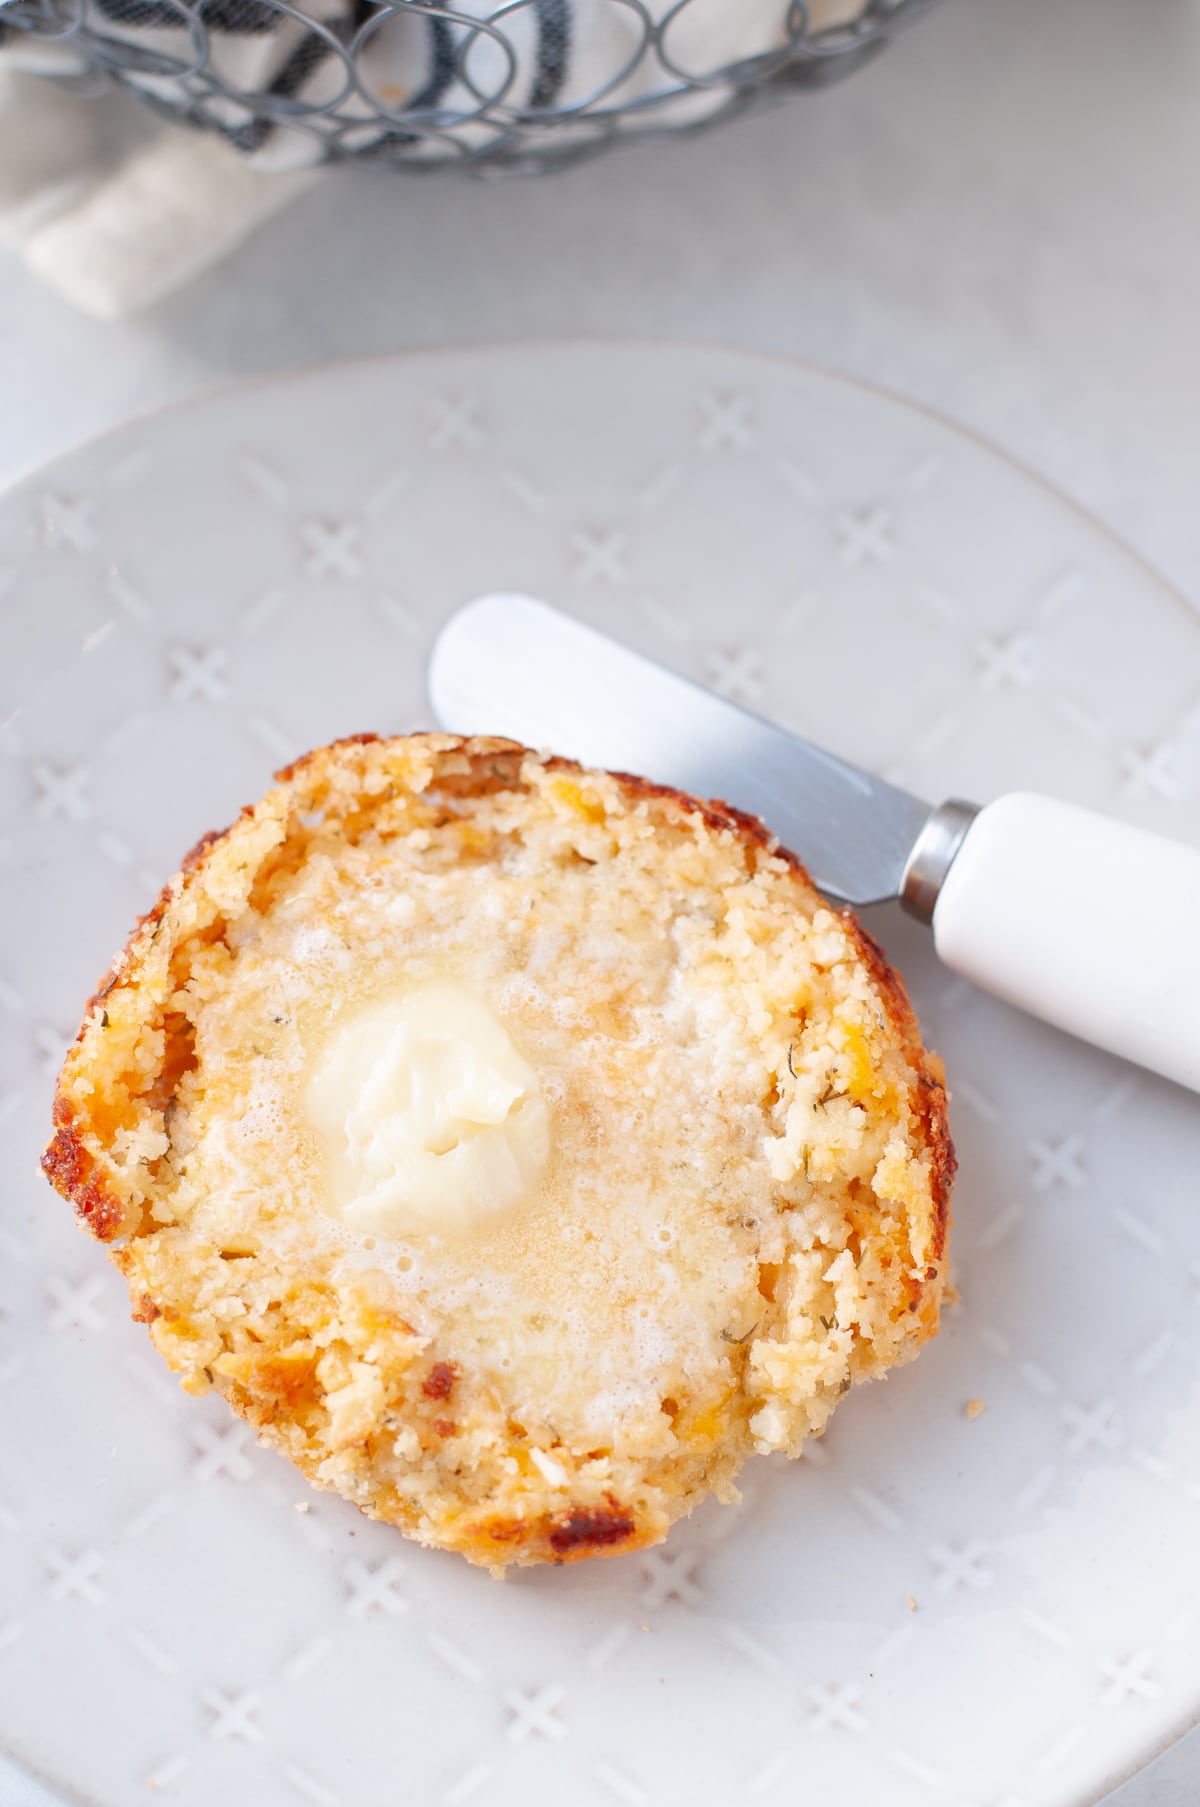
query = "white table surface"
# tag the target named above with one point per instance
(997, 218)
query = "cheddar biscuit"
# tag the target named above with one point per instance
(518, 1148)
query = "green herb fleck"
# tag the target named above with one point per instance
(831, 1091)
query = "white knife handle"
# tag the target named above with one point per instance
(1088, 923)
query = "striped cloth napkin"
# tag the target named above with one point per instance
(114, 209)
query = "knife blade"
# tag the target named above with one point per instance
(511, 665)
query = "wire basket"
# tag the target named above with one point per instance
(525, 85)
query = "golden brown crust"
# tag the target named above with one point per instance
(586, 1530)
(571, 1535)
(294, 1358)
(931, 1097)
(78, 1176)
(286, 774)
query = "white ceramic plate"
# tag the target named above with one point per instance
(931, 1608)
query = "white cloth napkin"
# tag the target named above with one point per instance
(114, 209)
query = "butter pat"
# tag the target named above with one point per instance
(427, 1115)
